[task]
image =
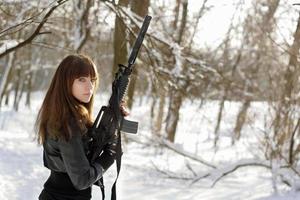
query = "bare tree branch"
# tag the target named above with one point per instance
(184, 153)
(36, 31)
(220, 173)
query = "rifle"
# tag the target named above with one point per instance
(110, 119)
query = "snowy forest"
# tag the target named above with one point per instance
(214, 89)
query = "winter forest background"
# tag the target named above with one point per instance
(215, 89)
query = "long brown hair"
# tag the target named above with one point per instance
(59, 105)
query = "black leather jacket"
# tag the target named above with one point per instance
(70, 157)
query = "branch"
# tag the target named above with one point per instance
(234, 167)
(122, 13)
(26, 22)
(52, 46)
(169, 174)
(289, 165)
(221, 173)
(172, 147)
(292, 143)
(184, 153)
(36, 32)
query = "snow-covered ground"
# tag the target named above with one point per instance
(22, 173)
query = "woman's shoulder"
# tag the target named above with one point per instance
(76, 127)
(69, 130)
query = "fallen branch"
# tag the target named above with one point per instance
(169, 174)
(184, 153)
(165, 143)
(221, 173)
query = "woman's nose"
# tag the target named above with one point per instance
(90, 85)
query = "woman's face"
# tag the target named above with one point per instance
(83, 88)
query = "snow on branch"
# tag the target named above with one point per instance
(36, 32)
(175, 74)
(7, 44)
(218, 174)
(125, 13)
(19, 22)
(169, 174)
(172, 147)
(182, 152)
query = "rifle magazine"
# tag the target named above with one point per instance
(129, 126)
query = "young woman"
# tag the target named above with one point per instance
(62, 124)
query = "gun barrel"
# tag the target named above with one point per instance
(138, 43)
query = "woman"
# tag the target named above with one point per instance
(62, 124)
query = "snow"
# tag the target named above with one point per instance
(7, 44)
(147, 168)
(178, 59)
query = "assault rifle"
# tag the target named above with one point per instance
(110, 119)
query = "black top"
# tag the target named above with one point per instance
(59, 187)
(70, 157)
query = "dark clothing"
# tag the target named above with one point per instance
(59, 187)
(72, 175)
(69, 157)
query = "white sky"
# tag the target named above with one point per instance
(214, 25)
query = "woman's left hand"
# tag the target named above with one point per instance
(124, 109)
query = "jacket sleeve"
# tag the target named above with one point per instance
(81, 172)
(108, 155)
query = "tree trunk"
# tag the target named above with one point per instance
(176, 16)
(82, 28)
(17, 88)
(21, 92)
(284, 122)
(176, 95)
(152, 112)
(173, 114)
(183, 21)
(120, 42)
(5, 76)
(7, 98)
(241, 118)
(242, 115)
(219, 119)
(157, 111)
(226, 89)
(29, 89)
(160, 115)
(259, 40)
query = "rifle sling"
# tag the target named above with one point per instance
(118, 163)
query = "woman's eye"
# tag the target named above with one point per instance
(81, 79)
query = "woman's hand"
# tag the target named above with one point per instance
(124, 109)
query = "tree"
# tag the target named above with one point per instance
(256, 38)
(176, 97)
(120, 40)
(139, 7)
(82, 26)
(12, 45)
